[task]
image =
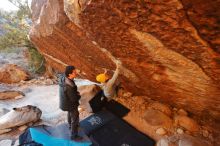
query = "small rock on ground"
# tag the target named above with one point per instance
(161, 131)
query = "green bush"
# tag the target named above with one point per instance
(36, 61)
(14, 28)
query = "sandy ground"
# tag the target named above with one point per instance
(45, 97)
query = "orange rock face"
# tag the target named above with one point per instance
(187, 123)
(169, 49)
(11, 73)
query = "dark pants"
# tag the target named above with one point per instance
(98, 101)
(73, 120)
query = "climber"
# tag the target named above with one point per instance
(109, 85)
(69, 100)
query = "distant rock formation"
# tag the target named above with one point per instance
(11, 73)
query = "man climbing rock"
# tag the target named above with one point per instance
(69, 99)
(109, 85)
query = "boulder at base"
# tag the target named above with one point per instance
(11, 73)
(18, 117)
(11, 95)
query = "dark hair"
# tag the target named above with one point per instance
(69, 70)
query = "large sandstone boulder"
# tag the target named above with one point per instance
(19, 116)
(157, 118)
(169, 48)
(161, 107)
(11, 73)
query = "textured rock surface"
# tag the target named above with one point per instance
(204, 15)
(10, 95)
(187, 123)
(11, 73)
(154, 123)
(157, 118)
(19, 116)
(182, 112)
(161, 131)
(182, 140)
(169, 48)
(161, 107)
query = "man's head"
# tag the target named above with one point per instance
(70, 72)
